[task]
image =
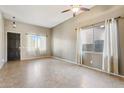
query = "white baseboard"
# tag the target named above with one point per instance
(62, 59)
(35, 58)
(87, 66)
(2, 64)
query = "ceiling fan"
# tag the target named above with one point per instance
(75, 9)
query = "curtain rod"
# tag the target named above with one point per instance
(119, 17)
(37, 34)
(32, 34)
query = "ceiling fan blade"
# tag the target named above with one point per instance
(84, 9)
(65, 10)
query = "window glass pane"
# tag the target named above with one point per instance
(92, 38)
(36, 44)
(42, 43)
(99, 37)
(87, 39)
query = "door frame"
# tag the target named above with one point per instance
(7, 43)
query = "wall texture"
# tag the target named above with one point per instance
(64, 41)
(2, 59)
(23, 29)
(64, 34)
(121, 45)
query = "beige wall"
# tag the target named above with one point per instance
(64, 36)
(2, 60)
(64, 41)
(23, 28)
(121, 45)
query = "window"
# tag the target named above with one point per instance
(36, 44)
(87, 39)
(92, 38)
(99, 37)
(41, 40)
(91, 45)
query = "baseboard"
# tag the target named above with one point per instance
(101, 71)
(62, 59)
(2, 64)
(25, 59)
(87, 66)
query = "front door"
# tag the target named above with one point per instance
(13, 46)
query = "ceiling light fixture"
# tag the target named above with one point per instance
(75, 9)
(14, 23)
(102, 26)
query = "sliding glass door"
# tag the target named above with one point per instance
(91, 45)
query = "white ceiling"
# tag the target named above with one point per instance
(41, 15)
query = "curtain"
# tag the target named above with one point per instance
(79, 48)
(36, 45)
(110, 52)
(41, 46)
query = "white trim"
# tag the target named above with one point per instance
(2, 64)
(6, 43)
(35, 58)
(62, 59)
(65, 60)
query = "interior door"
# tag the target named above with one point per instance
(13, 46)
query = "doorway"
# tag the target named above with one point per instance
(91, 43)
(13, 48)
